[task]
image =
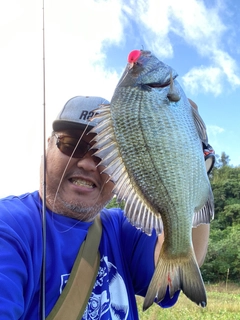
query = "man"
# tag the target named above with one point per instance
(76, 192)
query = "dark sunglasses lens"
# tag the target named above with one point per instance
(68, 144)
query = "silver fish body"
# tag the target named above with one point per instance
(150, 142)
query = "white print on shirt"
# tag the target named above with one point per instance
(64, 280)
(109, 299)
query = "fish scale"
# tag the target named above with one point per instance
(154, 138)
(157, 152)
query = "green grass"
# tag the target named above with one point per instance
(223, 303)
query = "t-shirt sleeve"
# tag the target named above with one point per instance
(13, 273)
(139, 252)
(17, 272)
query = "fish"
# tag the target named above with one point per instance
(149, 139)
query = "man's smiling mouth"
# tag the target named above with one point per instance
(81, 182)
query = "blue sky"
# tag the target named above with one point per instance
(86, 47)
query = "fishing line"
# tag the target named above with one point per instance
(70, 158)
(61, 179)
(43, 271)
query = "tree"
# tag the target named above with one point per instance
(224, 159)
(226, 189)
(223, 255)
(224, 244)
(115, 204)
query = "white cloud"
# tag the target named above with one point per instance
(228, 65)
(76, 42)
(214, 130)
(199, 26)
(203, 79)
(7, 14)
(153, 22)
(78, 34)
(190, 20)
(203, 29)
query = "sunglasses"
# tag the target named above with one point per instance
(71, 146)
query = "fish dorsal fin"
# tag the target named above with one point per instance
(200, 125)
(206, 213)
(136, 210)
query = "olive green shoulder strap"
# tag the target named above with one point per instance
(72, 302)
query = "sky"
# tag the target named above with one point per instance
(85, 50)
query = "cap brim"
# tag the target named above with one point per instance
(59, 125)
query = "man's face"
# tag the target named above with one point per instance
(75, 186)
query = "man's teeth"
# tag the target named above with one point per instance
(80, 182)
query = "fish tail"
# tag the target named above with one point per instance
(176, 274)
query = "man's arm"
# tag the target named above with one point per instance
(200, 236)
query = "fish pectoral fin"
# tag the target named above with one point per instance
(176, 274)
(206, 213)
(200, 126)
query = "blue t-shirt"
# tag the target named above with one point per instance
(126, 263)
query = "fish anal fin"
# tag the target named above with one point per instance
(206, 213)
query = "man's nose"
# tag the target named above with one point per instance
(89, 162)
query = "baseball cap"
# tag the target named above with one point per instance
(77, 112)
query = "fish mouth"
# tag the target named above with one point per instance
(82, 183)
(164, 84)
(157, 85)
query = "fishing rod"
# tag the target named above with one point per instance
(43, 271)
